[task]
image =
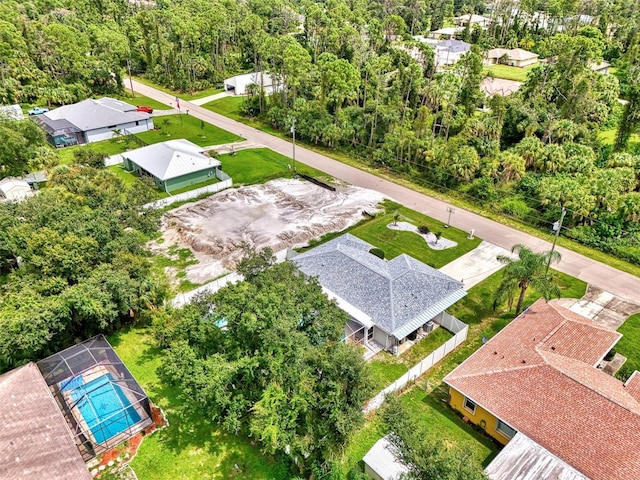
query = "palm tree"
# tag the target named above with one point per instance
(530, 269)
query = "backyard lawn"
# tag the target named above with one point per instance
(508, 73)
(259, 165)
(171, 127)
(386, 368)
(609, 136)
(109, 147)
(191, 448)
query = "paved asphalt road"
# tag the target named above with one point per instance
(586, 269)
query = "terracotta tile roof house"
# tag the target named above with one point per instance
(539, 377)
(35, 441)
(515, 57)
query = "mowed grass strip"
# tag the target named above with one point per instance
(173, 127)
(259, 165)
(508, 73)
(191, 447)
(629, 344)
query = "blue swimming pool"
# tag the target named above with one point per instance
(105, 407)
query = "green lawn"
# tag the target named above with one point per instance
(629, 344)
(385, 368)
(171, 127)
(109, 147)
(395, 242)
(259, 165)
(227, 106)
(508, 73)
(607, 137)
(191, 448)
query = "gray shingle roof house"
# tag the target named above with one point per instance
(35, 440)
(92, 120)
(173, 164)
(390, 299)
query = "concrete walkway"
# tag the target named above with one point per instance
(210, 98)
(591, 271)
(226, 147)
(476, 265)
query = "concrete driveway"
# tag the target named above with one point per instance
(602, 307)
(476, 265)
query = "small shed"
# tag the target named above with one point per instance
(14, 189)
(173, 165)
(11, 112)
(381, 462)
(36, 179)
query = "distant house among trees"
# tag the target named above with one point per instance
(449, 52)
(14, 189)
(463, 20)
(11, 112)
(92, 120)
(514, 57)
(240, 83)
(173, 164)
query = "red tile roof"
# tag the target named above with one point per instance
(555, 396)
(633, 385)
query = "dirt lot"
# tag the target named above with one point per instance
(279, 214)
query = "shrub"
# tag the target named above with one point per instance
(377, 252)
(609, 356)
(625, 372)
(424, 230)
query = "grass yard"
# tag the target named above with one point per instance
(607, 137)
(259, 165)
(386, 368)
(396, 242)
(181, 95)
(508, 73)
(629, 344)
(191, 448)
(109, 147)
(227, 106)
(173, 127)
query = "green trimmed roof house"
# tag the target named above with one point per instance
(173, 165)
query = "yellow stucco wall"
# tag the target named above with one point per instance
(480, 415)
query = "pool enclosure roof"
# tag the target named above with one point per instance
(102, 402)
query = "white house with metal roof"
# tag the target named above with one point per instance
(389, 302)
(240, 83)
(14, 189)
(92, 120)
(173, 164)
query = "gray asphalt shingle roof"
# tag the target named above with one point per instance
(92, 114)
(396, 294)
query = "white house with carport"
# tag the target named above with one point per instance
(92, 120)
(390, 303)
(173, 164)
(240, 83)
(14, 189)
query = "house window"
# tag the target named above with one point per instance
(137, 123)
(469, 405)
(505, 429)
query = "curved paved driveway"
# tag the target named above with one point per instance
(586, 269)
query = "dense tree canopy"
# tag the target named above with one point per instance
(72, 264)
(265, 357)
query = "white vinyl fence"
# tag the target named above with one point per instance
(216, 187)
(425, 364)
(114, 160)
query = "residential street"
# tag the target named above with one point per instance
(588, 270)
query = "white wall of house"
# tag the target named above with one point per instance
(444, 57)
(106, 133)
(524, 63)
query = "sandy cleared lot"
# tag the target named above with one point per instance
(279, 214)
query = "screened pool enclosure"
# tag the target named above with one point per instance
(101, 401)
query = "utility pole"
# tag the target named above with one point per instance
(130, 80)
(293, 132)
(450, 210)
(557, 226)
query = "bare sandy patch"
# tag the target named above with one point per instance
(279, 214)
